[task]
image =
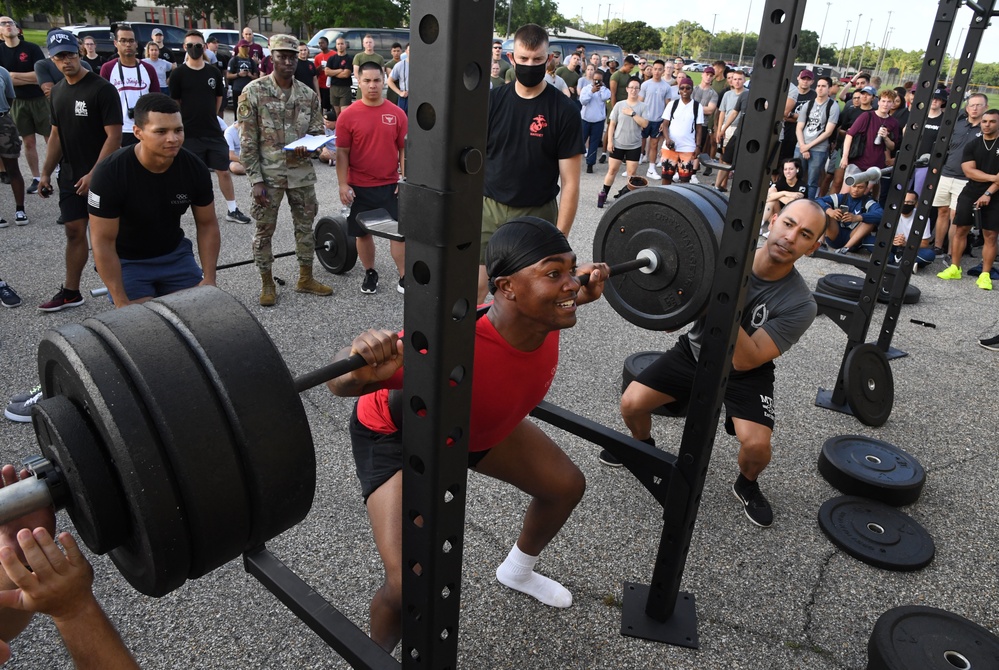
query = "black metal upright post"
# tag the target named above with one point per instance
(659, 611)
(440, 216)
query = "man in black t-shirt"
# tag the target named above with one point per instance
(534, 142)
(980, 163)
(305, 69)
(199, 89)
(339, 69)
(137, 196)
(29, 109)
(86, 128)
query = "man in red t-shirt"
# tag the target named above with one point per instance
(370, 152)
(532, 275)
(320, 62)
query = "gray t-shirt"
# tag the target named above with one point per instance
(963, 133)
(627, 133)
(654, 96)
(818, 117)
(784, 309)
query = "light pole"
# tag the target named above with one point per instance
(855, 33)
(819, 45)
(953, 61)
(846, 38)
(884, 44)
(712, 35)
(743, 47)
(863, 50)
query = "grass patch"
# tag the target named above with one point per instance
(35, 37)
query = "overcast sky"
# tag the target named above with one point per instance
(911, 26)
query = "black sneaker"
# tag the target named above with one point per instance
(401, 286)
(3, 222)
(7, 296)
(757, 508)
(589, 168)
(237, 216)
(991, 343)
(20, 218)
(603, 158)
(62, 300)
(4, 177)
(609, 459)
(20, 412)
(33, 187)
(370, 283)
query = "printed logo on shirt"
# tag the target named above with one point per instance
(93, 200)
(211, 83)
(388, 119)
(81, 108)
(180, 199)
(23, 57)
(760, 315)
(538, 123)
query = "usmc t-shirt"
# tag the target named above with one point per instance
(527, 138)
(148, 205)
(22, 58)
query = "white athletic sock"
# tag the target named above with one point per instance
(517, 572)
(232, 205)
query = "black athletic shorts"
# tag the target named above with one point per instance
(213, 151)
(72, 207)
(626, 154)
(378, 456)
(367, 198)
(749, 395)
(965, 213)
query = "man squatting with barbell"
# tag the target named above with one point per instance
(532, 276)
(778, 309)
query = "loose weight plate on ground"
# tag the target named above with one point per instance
(74, 362)
(335, 249)
(870, 468)
(633, 365)
(258, 396)
(192, 428)
(876, 533)
(926, 638)
(910, 297)
(840, 285)
(94, 501)
(683, 228)
(870, 388)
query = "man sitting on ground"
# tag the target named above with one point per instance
(852, 216)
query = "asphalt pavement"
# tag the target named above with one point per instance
(782, 598)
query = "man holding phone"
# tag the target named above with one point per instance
(852, 217)
(593, 98)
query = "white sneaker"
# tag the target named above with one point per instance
(652, 174)
(642, 159)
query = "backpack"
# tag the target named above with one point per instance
(693, 124)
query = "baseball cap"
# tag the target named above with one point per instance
(61, 41)
(242, 43)
(156, 31)
(283, 43)
(941, 93)
(685, 81)
(709, 70)
(869, 90)
(330, 115)
(806, 74)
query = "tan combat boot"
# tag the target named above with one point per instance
(268, 293)
(306, 284)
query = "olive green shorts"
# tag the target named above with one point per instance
(495, 214)
(31, 116)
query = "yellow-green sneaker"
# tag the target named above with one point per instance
(952, 272)
(984, 281)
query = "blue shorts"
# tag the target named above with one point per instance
(841, 239)
(165, 274)
(652, 130)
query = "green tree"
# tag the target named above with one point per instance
(685, 38)
(636, 36)
(315, 14)
(730, 42)
(542, 12)
(207, 9)
(72, 11)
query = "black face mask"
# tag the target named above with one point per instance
(907, 208)
(195, 51)
(530, 75)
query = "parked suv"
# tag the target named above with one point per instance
(173, 38)
(102, 38)
(227, 43)
(384, 39)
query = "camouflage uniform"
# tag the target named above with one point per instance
(272, 118)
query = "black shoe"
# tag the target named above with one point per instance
(607, 458)
(370, 283)
(401, 286)
(10, 299)
(33, 187)
(991, 343)
(589, 168)
(603, 158)
(939, 251)
(4, 178)
(237, 216)
(755, 503)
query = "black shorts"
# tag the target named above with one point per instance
(73, 207)
(367, 198)
(627, 154)
(213, 151)
(964, 215)
(749, 395)
(378, 456)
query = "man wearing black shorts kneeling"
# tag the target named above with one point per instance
(779, 308)
(532, 275)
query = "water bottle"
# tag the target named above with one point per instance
(877, 140)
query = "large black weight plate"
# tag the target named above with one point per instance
(633, 365)
(916, 637)
(869, 468)
(95, 502)
(259, 398)
(870, 388)
(335, 249)
(840, 285)
(910, 297)
(718, 199)
(192, 428)
(683, 229)
(74, 362)
(876, 533)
